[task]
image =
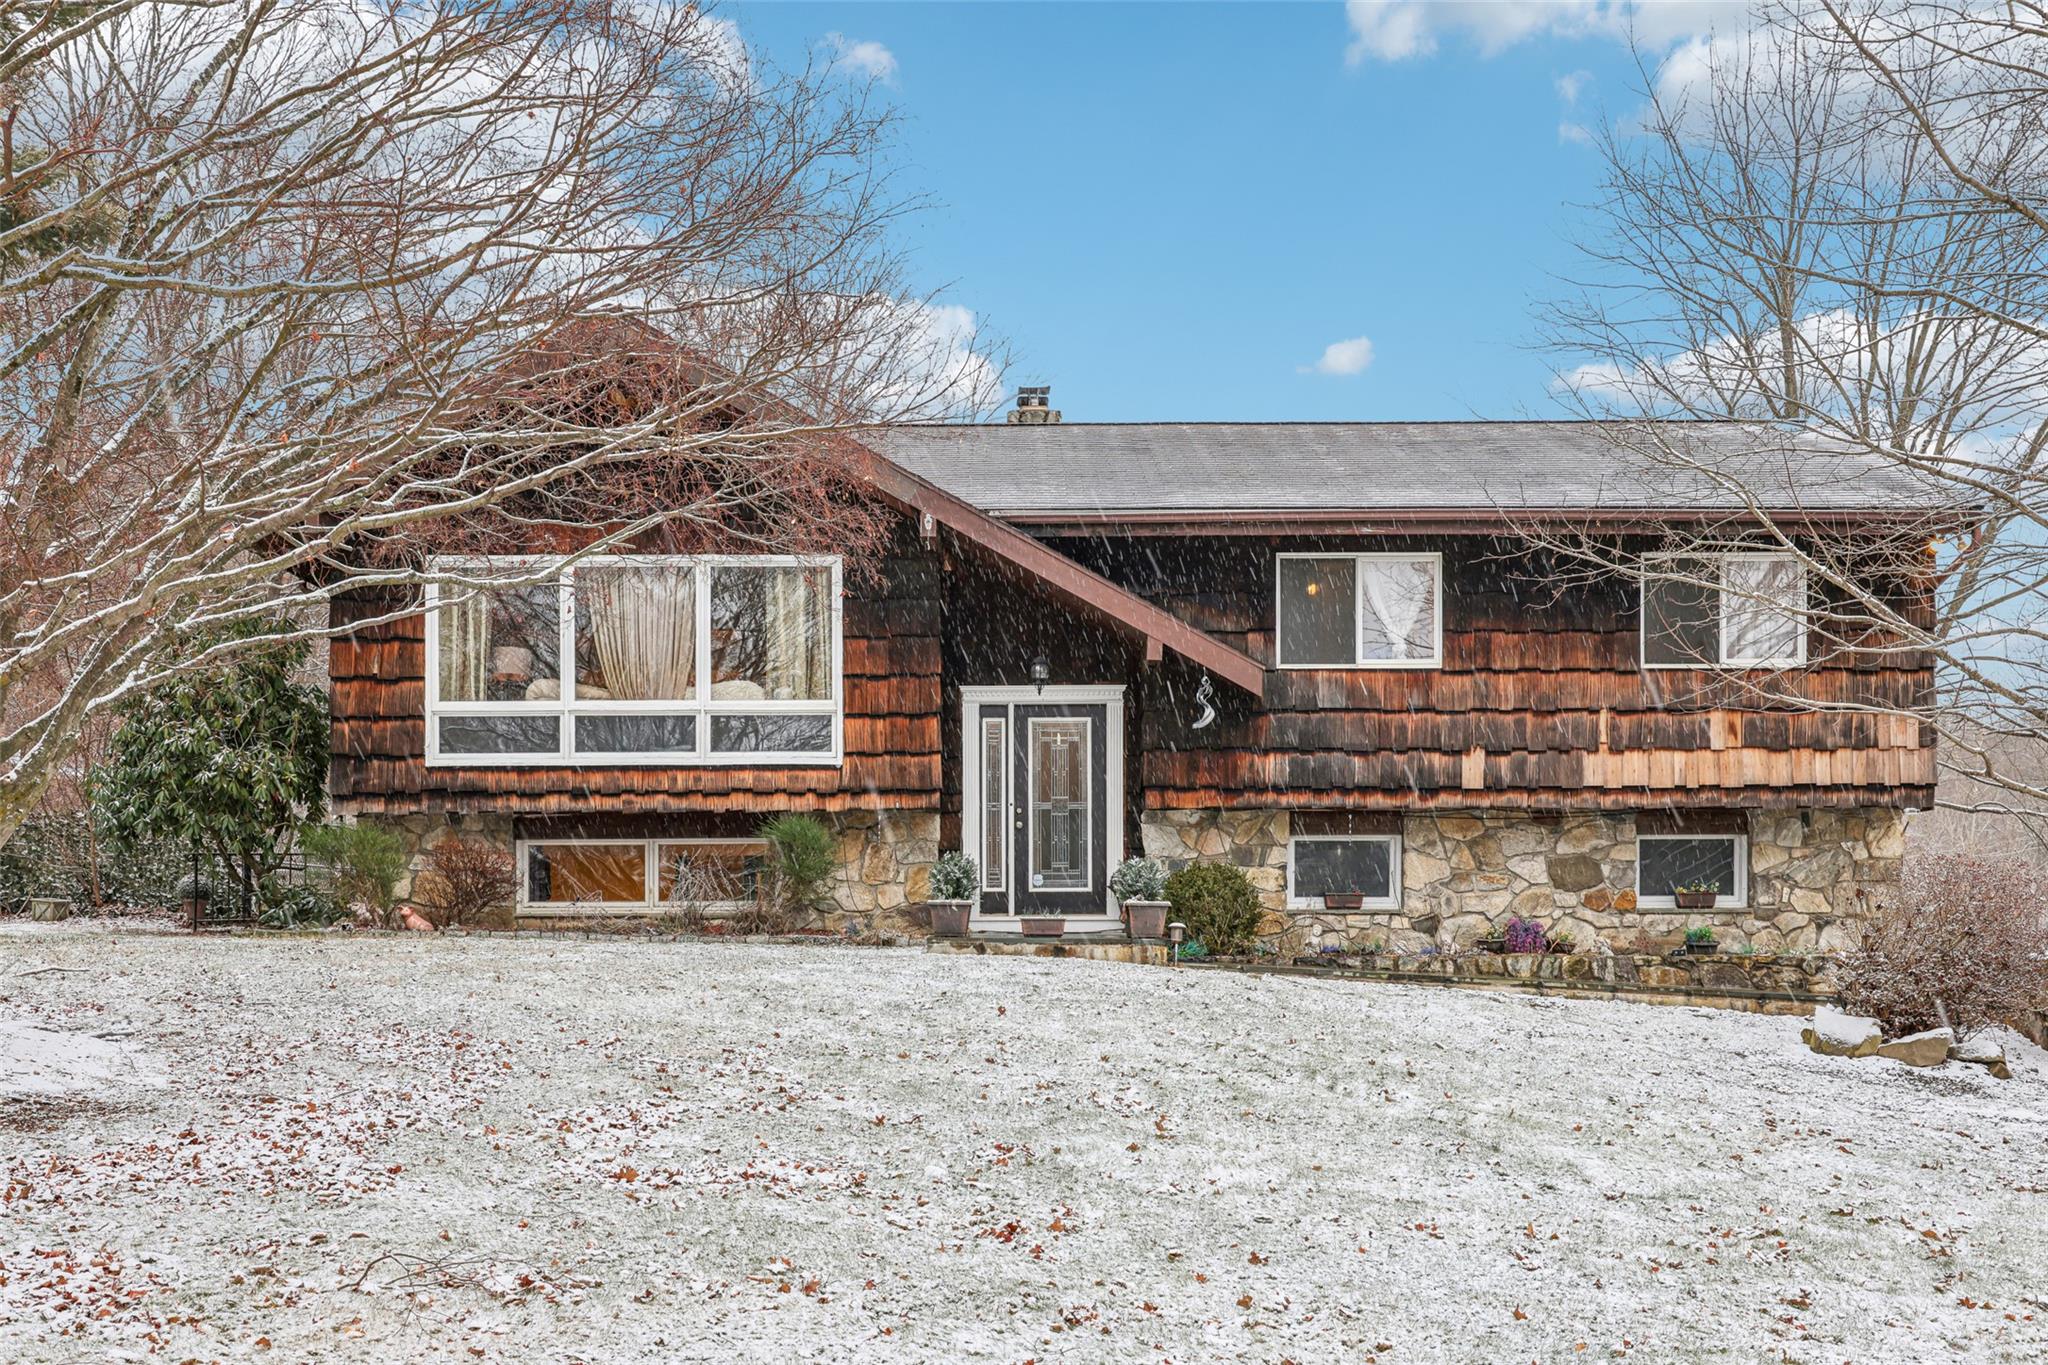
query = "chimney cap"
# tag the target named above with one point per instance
(1034, 406)
(1034, 395)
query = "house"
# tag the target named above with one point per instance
(1340, 656)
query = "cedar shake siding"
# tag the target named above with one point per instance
(892, 660)
(1540, 703)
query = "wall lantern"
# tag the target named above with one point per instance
(1041, 673)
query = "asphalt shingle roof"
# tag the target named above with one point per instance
(1099, 467)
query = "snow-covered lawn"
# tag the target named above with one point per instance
(551, 1150)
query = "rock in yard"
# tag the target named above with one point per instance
(1919, 1049)
(1842, 1035)
(1982, 1051)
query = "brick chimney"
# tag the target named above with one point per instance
(1034, 405)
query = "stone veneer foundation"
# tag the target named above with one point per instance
(1812, 876)
(884, 859)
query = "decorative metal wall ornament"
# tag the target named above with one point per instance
(1203, 694)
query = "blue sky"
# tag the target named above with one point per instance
(1173, 211)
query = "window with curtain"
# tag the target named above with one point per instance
(1724, 611)
(1360, 611)
(638, 659)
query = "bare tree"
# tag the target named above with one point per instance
(290, 288)
(1825, 233)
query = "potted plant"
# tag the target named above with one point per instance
(954, 880)
(1044, 926)
(1139, 884)
(1492, 941)
(1524, 935)
(1700, 939)
(1699, 895)
(1343, 900)
(1561, 944)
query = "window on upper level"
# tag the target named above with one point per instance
(1360, 611)
(1724, 611)
(635, 660)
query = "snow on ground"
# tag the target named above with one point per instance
(417, 1148)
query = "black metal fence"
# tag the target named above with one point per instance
(217, 894)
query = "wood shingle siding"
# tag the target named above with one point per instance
(891, 636)
(1539, 704)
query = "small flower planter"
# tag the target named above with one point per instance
(1496, 944)
(949, 918)
(1695, 900)
(1044, 926)
(1145, 919)
(1699, 947)
(1344, 900)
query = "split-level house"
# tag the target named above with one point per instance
(1350, 658)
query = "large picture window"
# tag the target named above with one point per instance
(1668, 863)
(1367, 865)
(1724, 611)
(1360, 611)
(634, 660)
(640, 874)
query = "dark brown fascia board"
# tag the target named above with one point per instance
(1160, 629)
(1452, 521)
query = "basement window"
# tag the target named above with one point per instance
(577, 876)
(1359, 611)
(1667, 862)
(1320, 865)
(1724, 611)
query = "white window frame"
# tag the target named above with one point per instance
(1436, 561)
(1738, 900)
(1392, 901)
(566, 707)
(1721, 561)
(651, 902)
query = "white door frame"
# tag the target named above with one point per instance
(1109, 696)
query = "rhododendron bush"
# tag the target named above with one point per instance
(1965, 945)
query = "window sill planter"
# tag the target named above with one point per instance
(949, 918)
(1695, 900)
(1044, 926)
(1344, 900)
(1145, 919)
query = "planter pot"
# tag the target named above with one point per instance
(1701, 949)
(949, 918)
(48, 909)
(1492, 945)
(1145, 919)
(1695, 900)
(1044, 926)
(1344, 900)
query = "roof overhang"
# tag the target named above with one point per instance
(1160, 629)
(1453, 520)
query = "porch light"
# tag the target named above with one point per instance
(1041, 673)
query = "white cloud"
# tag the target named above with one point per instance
(864, 56)
(1570, 87)
(1396, 30)
(1343, 357)
(1568, 131)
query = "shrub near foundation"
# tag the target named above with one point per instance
(1966, 946)
(1218, 904)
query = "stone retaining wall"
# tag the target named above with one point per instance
(1813, 875)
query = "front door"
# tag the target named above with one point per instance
(1059, 809)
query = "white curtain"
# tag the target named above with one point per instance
(1763, 609)
(796, 638)
(465, 644)
(1401, 595)
(643, 625)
